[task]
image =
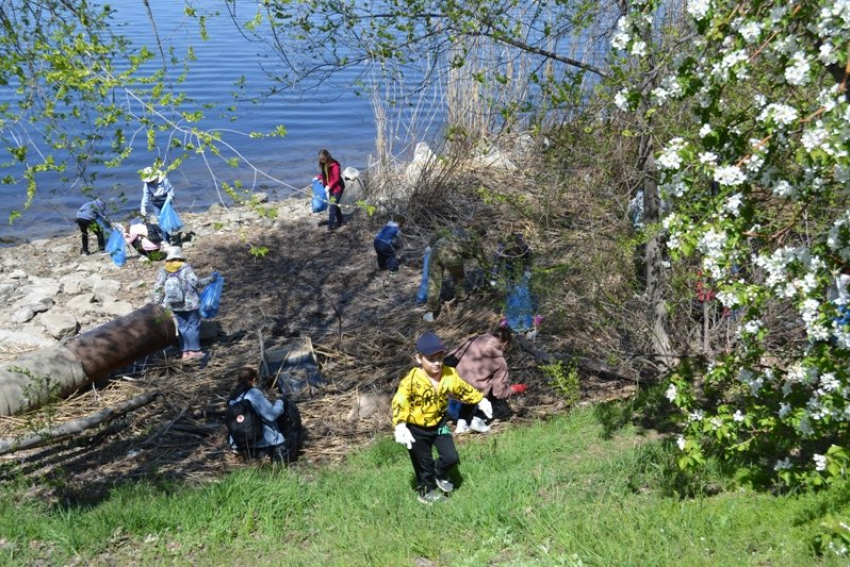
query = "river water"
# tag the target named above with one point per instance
(332, 116)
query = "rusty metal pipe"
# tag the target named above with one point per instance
(31, 380)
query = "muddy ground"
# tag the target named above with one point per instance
(284, 278)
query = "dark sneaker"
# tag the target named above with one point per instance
(432, 497)
(445, 485)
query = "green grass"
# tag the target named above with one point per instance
(563, 492)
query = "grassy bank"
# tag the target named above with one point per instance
(554, 493)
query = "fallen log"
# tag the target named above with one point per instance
(74, 427)
(58, 371)
(591, 366)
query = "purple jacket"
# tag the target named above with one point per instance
(483, 365)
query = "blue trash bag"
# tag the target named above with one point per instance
(422, 294)
(320, 198)
(211, 298)
(169, 220)
(115, 242)
(119, 256)
(520, 307)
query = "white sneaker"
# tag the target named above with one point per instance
(462, 427)
(428, 317)
(479, 426)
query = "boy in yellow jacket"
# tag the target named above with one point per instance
(419, 416)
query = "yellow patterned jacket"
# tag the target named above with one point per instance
(418, 402)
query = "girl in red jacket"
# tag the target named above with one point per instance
(331, 174)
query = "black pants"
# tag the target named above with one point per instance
(386, 256)
(468, 411)
(421, 455)
(85, 225)
(334, 212)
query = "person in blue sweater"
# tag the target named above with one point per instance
(387, 242)
(272, 443)
(90, 216)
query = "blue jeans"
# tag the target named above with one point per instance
(386, 256)
(189, 326)
(334, 212)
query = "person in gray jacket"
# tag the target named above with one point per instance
(273, 442)
(89, 217)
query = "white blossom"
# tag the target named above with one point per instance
(782, 464)
(798, 72)
(696, 415)
(738, 416)
(814, 139)
(729, 175)
(680, 442)
(820, 462)
(639, 48)
(781, 114)
(698, 8)
(707, 158)
(670, 158)
(783, 189)
(750, 31)
(671, 392)
(621, 100)
(705, 130)
(733, 204)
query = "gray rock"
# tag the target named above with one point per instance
(18, 275)
(368, 405)
(22, 315)
(59, 324)
(24, 339)
(81, 304)
(106, 290)
(75, 283)
(117, 308)
(6, 290)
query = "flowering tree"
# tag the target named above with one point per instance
(759, 189)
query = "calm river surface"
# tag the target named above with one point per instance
(333, 117)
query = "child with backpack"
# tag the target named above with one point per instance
(387, 242)
(420, 408)
(256, 427)
(176, 289)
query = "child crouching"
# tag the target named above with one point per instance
(419, 416)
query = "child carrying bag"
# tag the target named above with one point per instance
(169, 221)
(211, 298)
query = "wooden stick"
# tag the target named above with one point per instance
(75, 426)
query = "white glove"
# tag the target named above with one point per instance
(486, 407)
(167, 200)
(327, 188)
(144, 212)
(403, 435)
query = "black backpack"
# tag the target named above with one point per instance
(244, 424)
(292, 429)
